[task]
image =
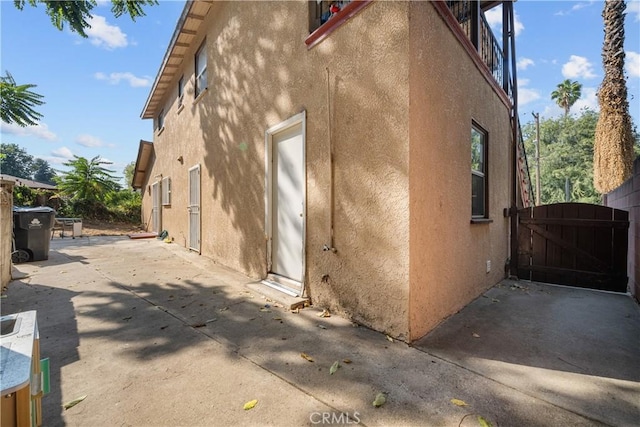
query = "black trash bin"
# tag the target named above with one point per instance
(32, 232)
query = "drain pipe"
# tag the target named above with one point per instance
(509, 14)
(331, 246)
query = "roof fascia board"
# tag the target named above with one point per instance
(167, 54)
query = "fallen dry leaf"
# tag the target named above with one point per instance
(483, 422)
(458, 402)
(250, 404)
(322, 327)
(74, 402)
(324, 313)
(306, 356)
(379, 400)
(389, 338)
(347, 361)
(475, 335)
(334, 367)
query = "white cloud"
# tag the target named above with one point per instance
(89, 141)
(53, 160)
(518, 25)
(104, 35)
(525, 94)
(633, 7)
(63, 152)
(524, 63)
(589, 99)
(633, 64)
(116, 78)
(552, 110)
(578, 67)
(494, 18)
(574, 8)
(41, 130)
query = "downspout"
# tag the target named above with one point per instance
(331, 246)
(509, 35)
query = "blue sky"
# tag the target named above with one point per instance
(95, 88)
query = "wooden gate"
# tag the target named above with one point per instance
(574, 244)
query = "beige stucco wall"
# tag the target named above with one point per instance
(261, 73)
(448, 254)
(6, 230)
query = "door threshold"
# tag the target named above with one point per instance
(283, 284)
(276, 294)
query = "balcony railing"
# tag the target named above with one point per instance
(475, 26)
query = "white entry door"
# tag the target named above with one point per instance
(287, 198)
(156, 212)
(194, 208)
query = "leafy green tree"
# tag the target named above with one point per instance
(17, 102)
(87, 180)
(128, 174)
(124, 205)
(15, 161)
(566, 151)
(77, 13)
(42, 172)
(566, 94)
(614, 152)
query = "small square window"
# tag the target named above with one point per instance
(201, 69)
(478, 172)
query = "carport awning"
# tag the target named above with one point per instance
(143, 162)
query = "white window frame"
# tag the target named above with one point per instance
(166, 191)
(201, 82)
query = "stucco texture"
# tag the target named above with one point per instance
(259, 75)
(449, 254)
(383, 93)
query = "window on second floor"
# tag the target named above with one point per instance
(201, 69)
(478, 172)
(321, 11)
(161, 120)
(180, 91)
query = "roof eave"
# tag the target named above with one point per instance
(148, 111)
(145, 149)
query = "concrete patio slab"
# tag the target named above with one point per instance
(155, 335)
(574, 348)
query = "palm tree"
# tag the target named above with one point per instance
(17, 102)
(566, 94)
(87, 179)
(613, 145)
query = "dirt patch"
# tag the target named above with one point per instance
(97, 228)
